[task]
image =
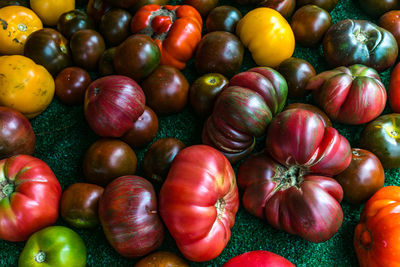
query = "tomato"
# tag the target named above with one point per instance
(328, 5)
(73, 21)
(284, 7)
(54, 246)
(309, 24)
(394, 89)
(71, 84)
(162, 259)
(49, 11)
(362, 178)
(87, 46)
(128, 215)
(105, 64)
(376, 8)
(121, 3)
(391, 22)
(144, 129)
(29, 197)
(17, 23)
(351, 42)
(204, 91)
(166, 90)
(323, 117)
(376, 237)
(4, 3)
(382, 137)
(175, 29)
(220, 52)
(115, 26)
(47, 47)
(79, 205)
(198, 202)
(267, 35)
(259, 258)
(288, 184)
(297, 72)
(107, 159)
(159, 156)
(140, 3)
(97, 8)
(137, 57)
(243, 110)
(352, 95)
(25, 86)
(203, 6)
(223, 18)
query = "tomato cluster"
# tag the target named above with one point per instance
(131, 65)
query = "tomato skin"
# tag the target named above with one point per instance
(394, 89)
(17, 23)
(50, 11)
(29, 199)
(259, 258)
(162, 259)
(199, 209)
(376, 237)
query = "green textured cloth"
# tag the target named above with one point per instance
(63, 136)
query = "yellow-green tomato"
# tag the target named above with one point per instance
(268, 36)
(56, 246)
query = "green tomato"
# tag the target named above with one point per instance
(54, 246)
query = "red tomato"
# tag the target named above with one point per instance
(29, 197)
(259, 258)
(198, 202)
(394, 89)
(376, 238)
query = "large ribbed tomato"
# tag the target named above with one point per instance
(198, 202)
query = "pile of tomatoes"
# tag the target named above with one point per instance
(129, 69)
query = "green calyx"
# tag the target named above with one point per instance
(6, 189)
(40, 256)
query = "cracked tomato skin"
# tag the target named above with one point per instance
(376, 237)
(291, 188)
(16, 24)
(29, 197)
(175, 29)
(198, 202)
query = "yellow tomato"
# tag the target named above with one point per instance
(50, 10)
(24, 85)
(16, 24)
(267, 35)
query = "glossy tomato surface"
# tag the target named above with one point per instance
(328, 5)
(223, 18)
(391, 22)
(394, 89)
(86, 47)
(115, 26)
(73, 21)
(162, 259)
(259, 258)
(71, 84)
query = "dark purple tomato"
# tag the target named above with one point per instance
(220, 52)
(139, 3)
(391, 22)
(204, 91)
(324, 118)
(376, 8)
(328, 5)
(137, 57)
(71, 84)
(203, 6)
(97, 8)
(285, 7)
(73, 21)
(16, 134)
(363, 177)
(4, 3)
(105, 64)
(115, 26)
(223, 18)
(79, 205)
(309, 24)
(144, 129)
(87, 46)
(121, 3)
(158, 158)
(47, 47)
(166, 90)
(296, 72)
(107, 159)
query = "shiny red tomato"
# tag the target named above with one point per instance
(260, 258)
(198, 202)
(394, 89)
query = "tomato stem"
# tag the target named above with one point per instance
(220, 206)
(40, 256)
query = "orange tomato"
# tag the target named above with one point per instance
(24, 85)
(50, 10)
(16, 24)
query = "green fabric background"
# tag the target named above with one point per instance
(63, 136)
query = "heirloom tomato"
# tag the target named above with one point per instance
(4, 3)
(328, 5)
(29, 197)
(175, 29)
(376, 237)
(351, 42)
(351, 95)
(376, 8)
(73, 21)
(198, 202)
(259, 258)
(162, 259)
(267, 35)
(25, 86)
(288, 184)
(326, 121)
(105, 65)
(87, 46)
(394, 89)
(203, 6)
(391, 22)
(71, 84)
(17, 23)
(243, 110)
(54, 246)
(285, 7)
(49, 11)
(97, 8)
(115, 26)
(223, 18)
